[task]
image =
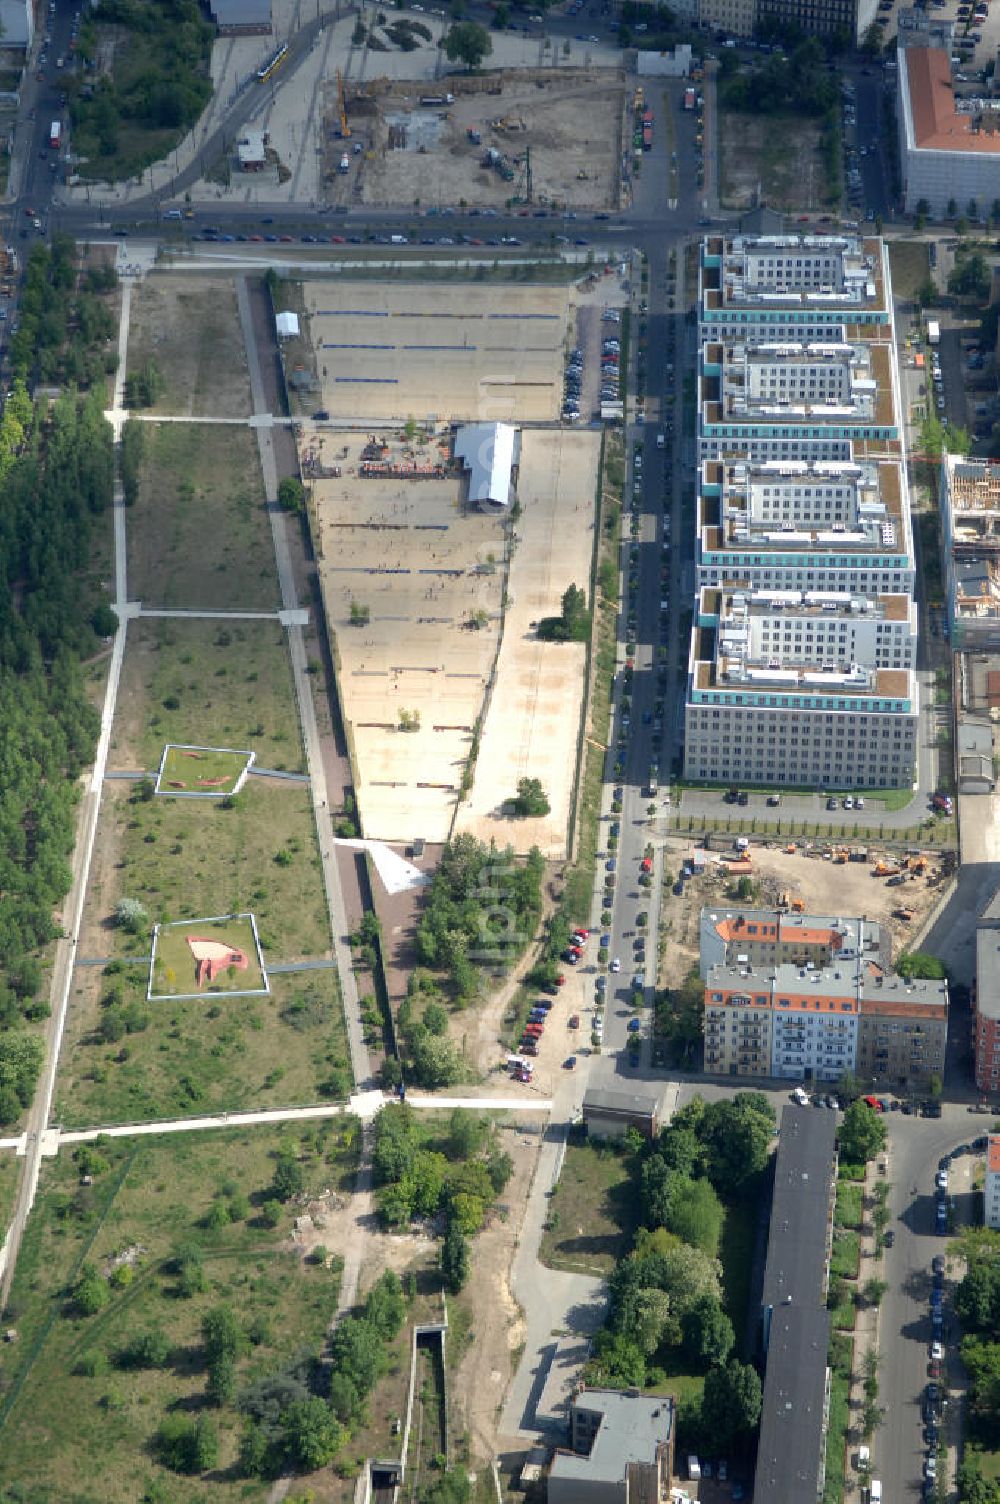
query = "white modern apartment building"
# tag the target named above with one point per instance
(801, 664)
(799, 287)
(827, 525)
(788, 400)
(802, 690)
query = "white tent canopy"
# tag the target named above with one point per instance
(287, 325)
(490, 451)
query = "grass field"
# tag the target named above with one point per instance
(591, 1216)
(218, 684)
(846, 1255)
(208, 771)
(203, 1055)
(77, 1422)
(909, 266)
(183, 859)
(850, 1202)
(175, 969)
(188, 325)
(199, 535)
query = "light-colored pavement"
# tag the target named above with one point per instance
(90, 806)
(360, 1062)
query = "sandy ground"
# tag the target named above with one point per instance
(406, 550)
(569, 122)
(532, 724)
(189, 326)
(824, 887)
(385, 351)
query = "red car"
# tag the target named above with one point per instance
(560, 981)
(647, 865)
(874, 1104)
(534, 1031)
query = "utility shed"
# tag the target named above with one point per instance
(250, 151)
(287, 325)
(610, 1114)
(491, 453)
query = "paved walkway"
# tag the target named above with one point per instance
(866, 1331)
(83, 850)
(360, 1062)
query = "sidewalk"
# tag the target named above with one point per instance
(866, 1330)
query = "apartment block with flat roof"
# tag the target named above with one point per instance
(805, 525)
(800, 287)
(801, 711)
(795, 401)
(970, 519)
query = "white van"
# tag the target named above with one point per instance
(875, 1492)
(800, 1096)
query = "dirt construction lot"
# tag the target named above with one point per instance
(533, 719)
(780, 161)
(385, 352)
(571, 122)
(824, 887)
(404, 552)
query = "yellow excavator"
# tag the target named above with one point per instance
(345, 129)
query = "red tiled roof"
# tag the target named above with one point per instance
(937, 125)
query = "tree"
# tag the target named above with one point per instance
(312, 1436)
(531, 800)
(131, 915)
(731, 1401)
(90, 1293)
(970, 278)
(220, 1388)
(289, 1178)
(454, 1258)
(573, 625)
(707, 1332)
(467, 1133)
(385, 1307)
(862, 1133)
(221, 1334)
(186, 1445)
(469, 43)
(873, 1291)
(291, 494)
(149, 1349)
(617, 1361)
(695, 1214)
(737, 1134)
(360, 615)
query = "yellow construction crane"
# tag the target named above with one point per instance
(345, 129)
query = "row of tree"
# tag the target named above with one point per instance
(799, 83)
(66, 322)
(54, 489)
(665, 1298)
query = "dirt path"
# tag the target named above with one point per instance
(480, 1381)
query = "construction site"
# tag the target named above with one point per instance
(898, 889)
(547, 137)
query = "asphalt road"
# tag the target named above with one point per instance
(915, 1146)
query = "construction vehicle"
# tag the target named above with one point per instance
(917, 864)
(840, 855)
(882, 868)
(797, 906)
(905, 915)
(791, 849)
(345, 129)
